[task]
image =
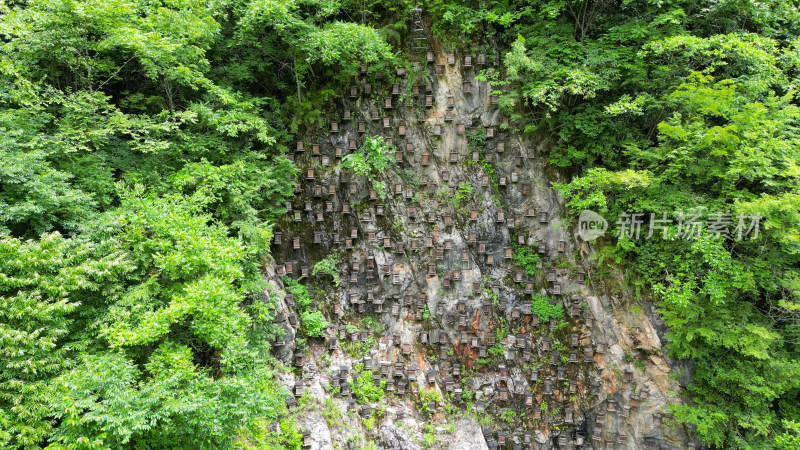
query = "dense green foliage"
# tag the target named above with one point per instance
(364, 388)
(312, 321)
(139, 329)
(327, 266)
(141, 167)
(677, 107)
(525, 258)
(544, 309)
(371, 161)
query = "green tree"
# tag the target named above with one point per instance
(312, 320)
(373, 159)
(141, 168)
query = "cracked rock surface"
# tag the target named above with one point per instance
(431, 301)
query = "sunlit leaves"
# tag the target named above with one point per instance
(340, 41)
(375, 156)
(143, 325)
(140, 275)
(312, 321)
(748, 54)
(688, 107)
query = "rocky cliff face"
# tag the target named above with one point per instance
(431, 302)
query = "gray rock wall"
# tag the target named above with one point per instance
(446, 274)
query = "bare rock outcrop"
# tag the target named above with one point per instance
(443, 281)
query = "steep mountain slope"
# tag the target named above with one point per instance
(460, 293)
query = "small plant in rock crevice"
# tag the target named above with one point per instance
(312, 321)
(327, 266)
(374, 158)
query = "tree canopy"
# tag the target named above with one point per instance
(141, 167)
(682, 108)
(142, 164)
